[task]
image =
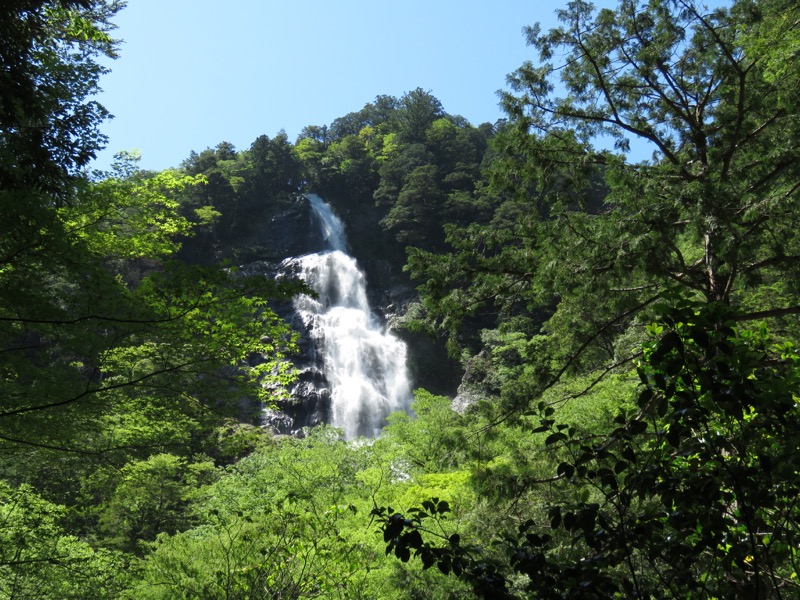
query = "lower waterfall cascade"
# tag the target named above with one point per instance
(363, 364)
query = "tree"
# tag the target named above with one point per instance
(674, 76)
(456, 147)
(413, 216)
(314, 132)
(94, 310)
(76, 333)
(48, 121)
(150, 499)
(396, 168)
(39, 559)
(379, 112)
(275, 168)
(353, 169)
(221, 169)
(713, 212)
(691, 495)
(588, 249)
(118, 362)
(275, 525)
(416, 111)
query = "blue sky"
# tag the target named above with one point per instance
(193, 73)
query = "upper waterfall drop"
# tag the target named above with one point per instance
(331, 226)
(364, 365)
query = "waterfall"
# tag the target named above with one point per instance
(363, 364)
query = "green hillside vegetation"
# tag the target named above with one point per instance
(626, 326)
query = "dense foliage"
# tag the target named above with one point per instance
(627, 326)
(683, 495)
(113, 353)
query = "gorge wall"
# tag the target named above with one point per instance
(354, 367)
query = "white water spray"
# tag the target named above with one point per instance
(364, 365)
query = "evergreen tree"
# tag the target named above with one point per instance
(686, 493)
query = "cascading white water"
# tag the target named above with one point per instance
(364, 365)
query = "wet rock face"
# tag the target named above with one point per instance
(309, 406)
(475, 383)
(310, 396)
(430, 366)
(290, 232)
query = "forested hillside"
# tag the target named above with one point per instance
(604, 338)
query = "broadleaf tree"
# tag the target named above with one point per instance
(104, 332)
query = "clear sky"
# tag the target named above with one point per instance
(193, 73)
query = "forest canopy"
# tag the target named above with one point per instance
(618, 414)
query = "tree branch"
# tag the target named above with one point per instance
(94, 391)
(767, 314)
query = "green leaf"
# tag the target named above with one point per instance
(555, 438)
